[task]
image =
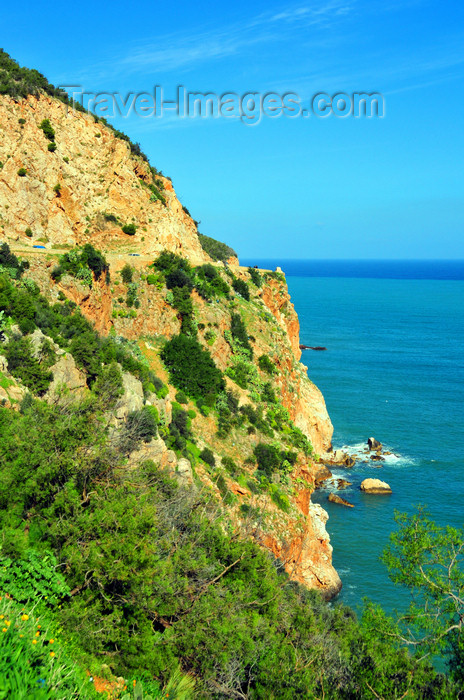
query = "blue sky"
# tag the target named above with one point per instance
(309, 188)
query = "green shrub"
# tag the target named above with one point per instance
(255, 276)
(152, 279)
(34, 575)
(51, 147)
(239, 333)
(57, 188)
(48, 130)
(192, 368)
(80, 263)
(23, 365)
(266, 364)
(207, 456)
(28, 232)
(181, 397)
(271, 458)
(22, 172)
(130, 229)
(11, 263)
(229, 464)
(241, 287)
(178, 278)
(127, 273)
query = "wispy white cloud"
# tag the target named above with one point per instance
(182, 50)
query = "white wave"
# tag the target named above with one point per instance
(363, 457)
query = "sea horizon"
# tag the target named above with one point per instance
(367, 268)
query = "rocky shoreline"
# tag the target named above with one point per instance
(373, 454)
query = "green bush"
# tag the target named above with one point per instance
(130, 229)
(229, 464)
(22, 172)
(192, 368)
(48, 130)
(51, 147)
(266, 364)
(35, 575)
(23, 365)
(127, 273)
(178, 278)
(241, 287)
(271, 458)
(28, 232)
(239, 333)
(255, 276)
(207, 456)
(181, 397)
(80, 263)
(21, 121)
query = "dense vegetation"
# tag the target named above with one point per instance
(215, 249)
(136, 574)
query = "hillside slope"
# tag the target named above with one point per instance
(84, 191)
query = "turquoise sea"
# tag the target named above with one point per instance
(394, 369)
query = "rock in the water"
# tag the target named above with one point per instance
(377, 458)
(374, 444)
(343, 483)
(375, 486)
(333, 498)
(343, 458)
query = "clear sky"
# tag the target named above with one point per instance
(320, 188)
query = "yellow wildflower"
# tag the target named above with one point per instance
(4, 629)
(24, 617)
(52, 653)
(50, 641)
(34, 641)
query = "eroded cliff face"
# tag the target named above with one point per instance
(102, 186)
(103, 178)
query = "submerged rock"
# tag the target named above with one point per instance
(375, 486)
(343, 483)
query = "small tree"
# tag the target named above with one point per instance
(429, 560)
(127, 273)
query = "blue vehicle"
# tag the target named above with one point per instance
(134, 255)
(39, 246)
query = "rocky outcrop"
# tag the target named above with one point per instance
(333, 498)
(102, 186)
(374, 444)
(66, 377)
(375, 486)
(132, 398)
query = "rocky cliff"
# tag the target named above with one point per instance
(86, 189)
